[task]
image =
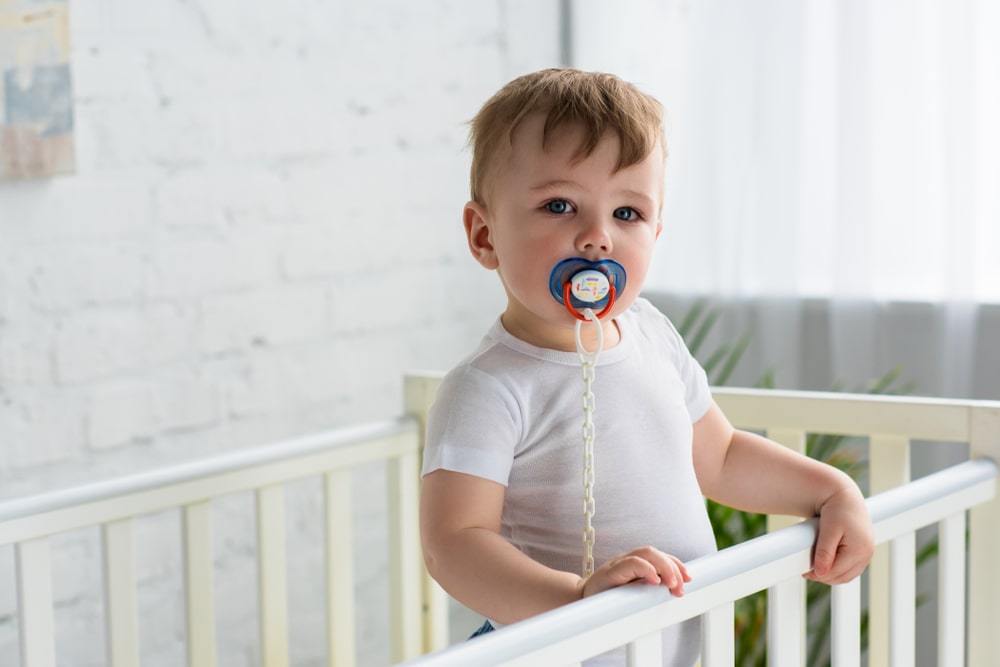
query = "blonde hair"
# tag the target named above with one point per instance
(596, 102)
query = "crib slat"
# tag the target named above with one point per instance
(786, 608)
(121, 610)
(404, 558)
(951, 590)
(435, 607)
(717, 647)
(889, 463)
(645, 651)
(199, 587)
(339, 569)
(902, 593)
(984, 546)
(785, 623)
(419, 392)
(845, 630)
(34, 602)
(273, 576)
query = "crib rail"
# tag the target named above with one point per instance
(890, 425)
(632, 616)
(29, 523)
(419, 607)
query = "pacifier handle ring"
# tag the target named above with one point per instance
(573, 311)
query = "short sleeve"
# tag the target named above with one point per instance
(697, 392)
(473, 426)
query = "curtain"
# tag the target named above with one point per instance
(833, 179)
(847, 149)
(833, 183)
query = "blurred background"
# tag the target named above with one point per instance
(262, 231)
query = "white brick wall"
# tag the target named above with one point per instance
(262, 235)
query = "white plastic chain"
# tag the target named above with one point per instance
(589, 361)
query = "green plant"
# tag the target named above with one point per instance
(733, 526)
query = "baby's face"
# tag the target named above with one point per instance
(545, 208)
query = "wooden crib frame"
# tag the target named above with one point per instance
(419, 607)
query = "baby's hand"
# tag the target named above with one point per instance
(642, 564)
(844, 543)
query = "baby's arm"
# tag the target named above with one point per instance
(752, 473)
(465, 553)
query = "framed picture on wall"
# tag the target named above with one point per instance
(36, 93)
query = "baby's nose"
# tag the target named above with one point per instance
(594, 237)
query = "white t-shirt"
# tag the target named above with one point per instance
(513, 413)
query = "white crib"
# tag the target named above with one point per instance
(631, 616)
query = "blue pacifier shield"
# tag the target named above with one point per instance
(590, 282)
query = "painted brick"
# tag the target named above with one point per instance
(188, 198)
(263, 318)
(170, 334)
(185, 131)
(120, 416)
(145, 25)
(255, 195)
(25, 355)
(312, 251)
(40, 429)
(212, 196)
(297, 378)
(65, 277)
(186, 268)
(254, 180)
(187, 403)
(110, 135)
(89, 24)
(179, 75)
(399, 299)
(83, 208)
(276, 129)
(99, 344)
(105, 70)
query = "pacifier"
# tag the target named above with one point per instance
(579, 283)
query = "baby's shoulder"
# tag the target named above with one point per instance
(651, 321)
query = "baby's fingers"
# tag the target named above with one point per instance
(618, 571)
(825, 553)
(675, 577)
(840, 557)
(644, 564)
(681, 567)
(670, 570)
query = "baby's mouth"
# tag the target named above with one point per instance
(579, 283)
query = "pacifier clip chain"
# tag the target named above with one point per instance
(588, 361)
(582, 285)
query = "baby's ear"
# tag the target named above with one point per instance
(480, 234)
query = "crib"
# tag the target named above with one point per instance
(959, 500)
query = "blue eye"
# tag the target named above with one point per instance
(626, 213)
(558, 206)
